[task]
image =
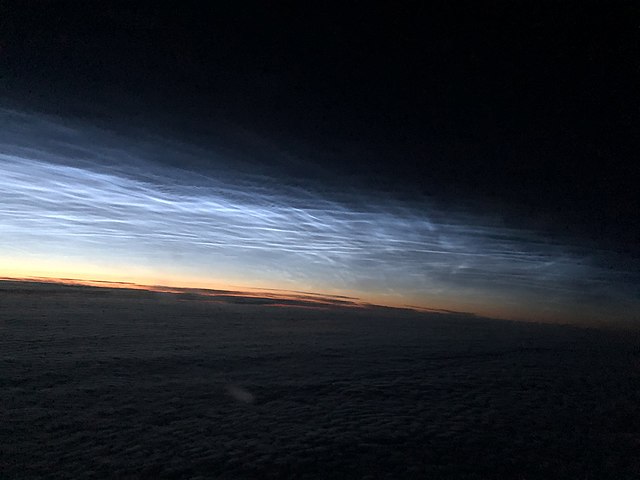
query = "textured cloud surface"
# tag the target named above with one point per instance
(80, 195)
(105, 383)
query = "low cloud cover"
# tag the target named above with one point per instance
(133, 385)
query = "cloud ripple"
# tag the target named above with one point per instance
(79, 193)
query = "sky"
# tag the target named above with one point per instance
(474, 158)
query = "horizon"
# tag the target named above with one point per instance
(280, 298)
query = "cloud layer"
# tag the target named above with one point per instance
(85, 195)
(99, 383)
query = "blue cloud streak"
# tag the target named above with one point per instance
(79, 193)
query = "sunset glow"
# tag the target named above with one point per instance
(72, 209)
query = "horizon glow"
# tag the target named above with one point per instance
(80, 202)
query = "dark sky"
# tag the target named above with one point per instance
(534, 104)
(524, 110)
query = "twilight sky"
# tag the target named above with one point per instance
(474, 159)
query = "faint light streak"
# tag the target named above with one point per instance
(240, 394)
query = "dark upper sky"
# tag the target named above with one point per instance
(529, 109)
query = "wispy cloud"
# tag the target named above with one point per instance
(91, 195)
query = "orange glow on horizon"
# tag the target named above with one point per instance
(311, 300)
(316, 300)
(46, 270)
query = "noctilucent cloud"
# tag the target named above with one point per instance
(78, 201)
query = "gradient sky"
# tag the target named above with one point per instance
(72, 208)
(439, 160)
